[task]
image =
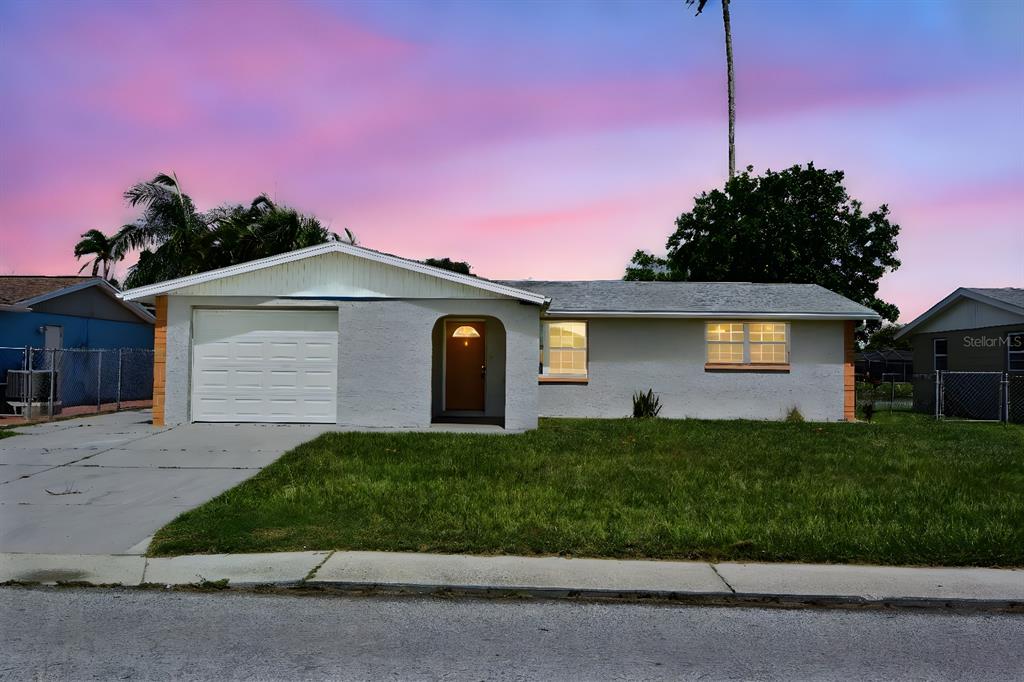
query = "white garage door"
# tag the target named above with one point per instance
(265, 366)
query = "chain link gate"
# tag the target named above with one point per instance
(979, 396)
(41, 383)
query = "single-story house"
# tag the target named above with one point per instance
(53, 313)
(971, 330)
(69, 312)
(342, 334)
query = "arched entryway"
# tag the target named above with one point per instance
(468, 370)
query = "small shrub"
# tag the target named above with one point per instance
(646, 405)
(794, 416)
(868, 410)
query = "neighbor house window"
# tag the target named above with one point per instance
(563, 349)
(1015, 351)
(747, 343)
(940, 351)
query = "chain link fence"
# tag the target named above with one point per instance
(890, 394)
(979, 396)
(42, 383)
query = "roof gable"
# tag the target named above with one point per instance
(334, 270)
(24, 292)
(15, 289)
(970, 308)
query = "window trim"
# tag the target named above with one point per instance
(936, 354)
(1010, 352)
(746, 365)
(542, 377)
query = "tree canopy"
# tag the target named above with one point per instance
(174, 239)
(446, 263)
(884, 338)
(796, 225)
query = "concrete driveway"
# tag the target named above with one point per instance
(105, 484)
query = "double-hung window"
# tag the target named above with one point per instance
(1015, 352)
(940, 351)
(563, 350)
(747, 343)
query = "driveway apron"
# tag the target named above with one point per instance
(105, 484)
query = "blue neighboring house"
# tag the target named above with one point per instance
(68, 312)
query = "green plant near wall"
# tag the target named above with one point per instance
(646, 405)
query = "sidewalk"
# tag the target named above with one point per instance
(550, 577)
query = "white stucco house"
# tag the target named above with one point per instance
(342, 334)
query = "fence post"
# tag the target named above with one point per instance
(28, 384)
(1006, 397)
(99, 378)
(938, 394)
(53, 370)
(119, 359)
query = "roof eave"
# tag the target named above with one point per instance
(706, 314)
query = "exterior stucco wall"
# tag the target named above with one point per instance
(667, 355)
(386, 359)
(384, 356)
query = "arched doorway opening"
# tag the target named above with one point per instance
(468, 370)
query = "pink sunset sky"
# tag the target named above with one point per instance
(532, 139)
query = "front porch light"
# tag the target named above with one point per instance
(465, 331)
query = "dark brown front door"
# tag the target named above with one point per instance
(464, 366)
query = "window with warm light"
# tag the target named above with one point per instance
(465, 332)
(563, 349)
(747, 343)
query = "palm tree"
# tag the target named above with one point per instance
(105, 251)
(176, 240)
(732, 79)
(171, 229)
(262, 229)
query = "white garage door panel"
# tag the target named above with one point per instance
(265, 366)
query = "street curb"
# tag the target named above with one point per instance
(658, 597)
(673, 597)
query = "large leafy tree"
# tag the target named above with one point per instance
(105, 250)
(884, 338)
(795, 225)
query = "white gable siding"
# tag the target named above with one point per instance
(968, 314)
(335, 275)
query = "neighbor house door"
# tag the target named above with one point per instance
(465, 370)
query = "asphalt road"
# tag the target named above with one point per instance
(122, 634)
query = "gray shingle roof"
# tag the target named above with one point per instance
(694, 297)
(1012, 295)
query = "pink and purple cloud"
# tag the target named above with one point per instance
(544, 140)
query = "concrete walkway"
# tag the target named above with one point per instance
(105, 484)
(540, 576)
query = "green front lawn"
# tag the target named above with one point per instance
(902, 490)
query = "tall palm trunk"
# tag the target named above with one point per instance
(732, 89)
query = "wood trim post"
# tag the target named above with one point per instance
(849, 379)
(159, 360)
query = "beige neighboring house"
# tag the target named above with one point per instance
(346, 335)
